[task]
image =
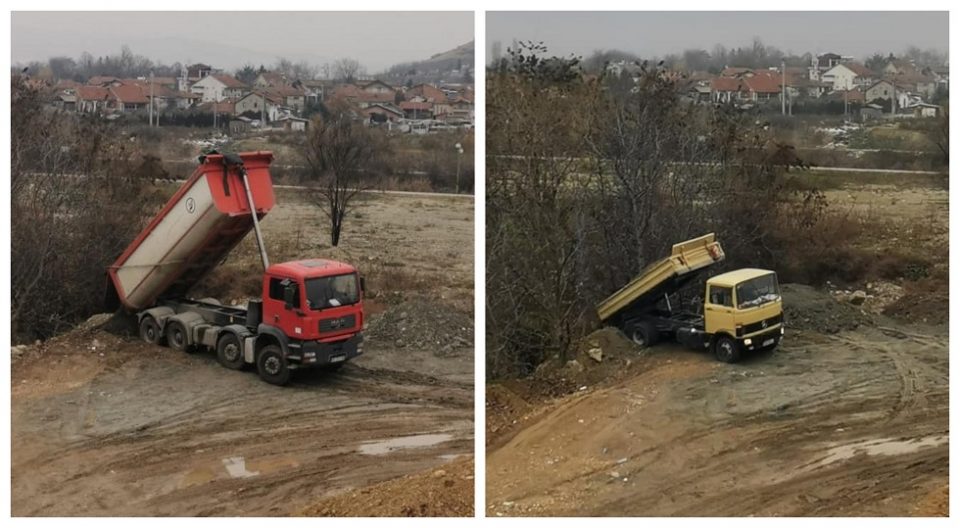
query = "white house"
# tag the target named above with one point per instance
(256, 102)
(847, 76)
(218, 87)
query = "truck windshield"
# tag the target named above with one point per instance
(760, 290)
(327, 292)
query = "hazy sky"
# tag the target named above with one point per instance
(660, 33)
(231, 39)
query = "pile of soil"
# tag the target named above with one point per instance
(506, 409)
(924, 301)
(423, 324)
(808, 308)
(935, 504)
(603, 356)
(445, 491)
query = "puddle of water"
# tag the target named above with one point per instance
(383, 447)
(237, 467)
(881, 446)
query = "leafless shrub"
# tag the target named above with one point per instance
(78, 196)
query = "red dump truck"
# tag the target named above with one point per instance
(310, 313)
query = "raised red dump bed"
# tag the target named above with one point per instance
(194, 231)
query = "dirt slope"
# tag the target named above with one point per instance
(853, 423)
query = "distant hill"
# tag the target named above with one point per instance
(452, 66)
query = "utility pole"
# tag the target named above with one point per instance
(151, 99)
(263, 110)
(459, 148)
(783, 87)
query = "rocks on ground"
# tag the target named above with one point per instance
(808, 308)
(603, 355)
(423, 324)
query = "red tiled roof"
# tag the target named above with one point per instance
(764, 82)
(725, 84)
(229, 80)
(408, 105)
(101, 79)
(129, 93)
(859, 69)
(92, 93)
(428, 92)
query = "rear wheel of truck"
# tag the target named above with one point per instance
(644, 334)
(150, 330)
(272, 367)
(726, 349)
(177, 336)
(229, 352)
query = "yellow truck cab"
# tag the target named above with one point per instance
(743, 311)
(740, 310)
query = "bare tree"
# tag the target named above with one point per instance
(339, 151)
(347, 70)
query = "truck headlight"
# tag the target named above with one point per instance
(781, 330)
(748, 341)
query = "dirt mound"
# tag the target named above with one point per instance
(602, 356)
(808, 308)
(445, 491)
(423, 323)
(935, 504)
(505, 409)
(924, 301)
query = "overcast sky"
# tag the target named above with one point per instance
(231, 39)
(659, 33)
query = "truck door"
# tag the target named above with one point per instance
(275, 310)
(718, 315)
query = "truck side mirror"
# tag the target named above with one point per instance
(363, 285)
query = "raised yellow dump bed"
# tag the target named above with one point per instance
(655, 280)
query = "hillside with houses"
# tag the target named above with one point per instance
(207, 96)
(830, 84)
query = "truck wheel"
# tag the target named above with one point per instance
(150, 330)
(229, 352)
(727, 349)
(271, 366)
(177, 336)
(644, 334)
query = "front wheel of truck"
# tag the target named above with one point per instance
(272, 367)
(726, 349)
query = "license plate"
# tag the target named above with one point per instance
(768, 342)
(338, 359)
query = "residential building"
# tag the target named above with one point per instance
(218, 87)
(848, 75)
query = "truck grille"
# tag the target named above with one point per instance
(338, 323)
(762, 325)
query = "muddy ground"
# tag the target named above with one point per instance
(103, 424)
(848, 417)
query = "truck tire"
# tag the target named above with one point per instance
(230, 352)
(726, 349)
(177, 337)
(271, 365)
(150, 330)
(644, 334)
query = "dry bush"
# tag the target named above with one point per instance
(79, 194)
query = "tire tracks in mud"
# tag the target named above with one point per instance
(743, 461)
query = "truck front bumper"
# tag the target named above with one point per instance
(318, 354)
(768, 339)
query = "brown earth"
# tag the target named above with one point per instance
(103, 424)
(848, 417)
(446, 491)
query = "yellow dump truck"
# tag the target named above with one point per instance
(740, 310)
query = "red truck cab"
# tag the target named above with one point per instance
(317, 305)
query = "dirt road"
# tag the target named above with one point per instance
(854, 423)
(146, 431)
